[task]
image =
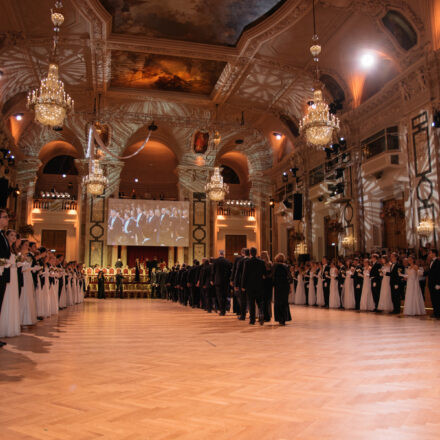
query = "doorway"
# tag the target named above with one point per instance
(233, 246)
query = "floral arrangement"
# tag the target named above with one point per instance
(335, 226)
(26, 230)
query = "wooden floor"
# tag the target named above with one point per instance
(148, 369)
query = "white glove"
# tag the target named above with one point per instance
(396, 286)
(437, 287)
(374, 284)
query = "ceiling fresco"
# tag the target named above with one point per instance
(163, 72)
(202, 21)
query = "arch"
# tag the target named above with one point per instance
(155, 169)
(238, 163)
(401, 29)
(333, 87)
(61, 164)
(57, 148)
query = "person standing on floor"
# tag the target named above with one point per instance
(221, 274)
(375, 279)
(5, 254)
(434, 281)
(281, 279)
(254, 272)
(101, 285)
(119, 283)
(268, 287)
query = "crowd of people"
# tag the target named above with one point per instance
(378, 283)
(34, 282)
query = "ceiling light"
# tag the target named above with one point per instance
(278, 136)
(368, 60)
(136, 180)
(63, 176)
(19, 116)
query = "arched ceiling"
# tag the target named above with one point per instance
(173, 60)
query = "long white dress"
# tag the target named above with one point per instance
(414, 304)
(320, 300)
(39, 299)
(10, 312)
(53, 291)
(312, 289)
(385, 300)
(28, 308)
(300, 293)
(367, 301)
(348, 289)
(45, 292)
(69, 290)
(335, 300)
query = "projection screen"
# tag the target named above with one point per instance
(134, 222)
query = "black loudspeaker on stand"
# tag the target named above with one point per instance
(297, 206)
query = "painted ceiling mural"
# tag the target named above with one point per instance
(201, 21)
(164, 72)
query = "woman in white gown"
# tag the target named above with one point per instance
(300, 293)
(414, 304)
(312, 288)
(10, 312)
(28, 308)
(69, 287)
(367, 301)
(45, 291)
(385, 300)
(335, 299)
(348, 288)
(320, 300)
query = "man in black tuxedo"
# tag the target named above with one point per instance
(395, 282)
(254, 272)
(376, 279)
(5, 252)
(115, 226)
(358, 282)
(326, 280)
(434, 281)
(221, 273)
(235, 288)
(237, 284)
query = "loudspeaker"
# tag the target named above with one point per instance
(297, 206)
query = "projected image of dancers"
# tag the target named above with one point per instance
(147, 223)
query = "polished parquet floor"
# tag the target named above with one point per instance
(143, 369)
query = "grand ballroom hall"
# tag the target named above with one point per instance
(219, 219)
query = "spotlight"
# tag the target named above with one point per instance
(278, 136)
(339, 173)
(285, 177)
(328, 152)
(436, 119)
(294, 170)
(343, 144)
(136, 180)
(335, 148)
(57, 128)
(239, 141)
(12, 157)
(368, 60)
(63, 176)
(271, 202)
(18, 116)
(152, 126)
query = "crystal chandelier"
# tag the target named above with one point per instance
(301, 248)
(425, 227)
(95, 181)
(318, 125)
(216, 189)
(50, 101)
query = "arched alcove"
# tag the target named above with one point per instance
(238, 164)
(151, 173)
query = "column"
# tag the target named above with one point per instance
(26, 178)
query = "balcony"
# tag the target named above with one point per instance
(386, 161)
(54, 205)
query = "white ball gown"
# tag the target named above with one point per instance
(300, 293)
(63, 296)
(335, 300)
(28, 307)
(348, 289)
(385, 300)
(414, 304)
(45, 293)
(320, 300)
(312, 289)
(53, 291)
(367, 301)
(39, 299)
(10, 312)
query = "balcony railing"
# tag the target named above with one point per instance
(55, 205)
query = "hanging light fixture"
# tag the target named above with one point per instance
(216, 190)
(318, 125)
(348, 241)
(95, 181)
(50, 102)
(425, 227)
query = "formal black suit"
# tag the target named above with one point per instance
(242, 299)
(5, 252)
(326, 283)
(235, 287)
(221, 274)
(434, 285)
(376, 282)
(396, 285)
(358, 282)
(254, 271)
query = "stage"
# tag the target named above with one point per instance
(150, 369)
